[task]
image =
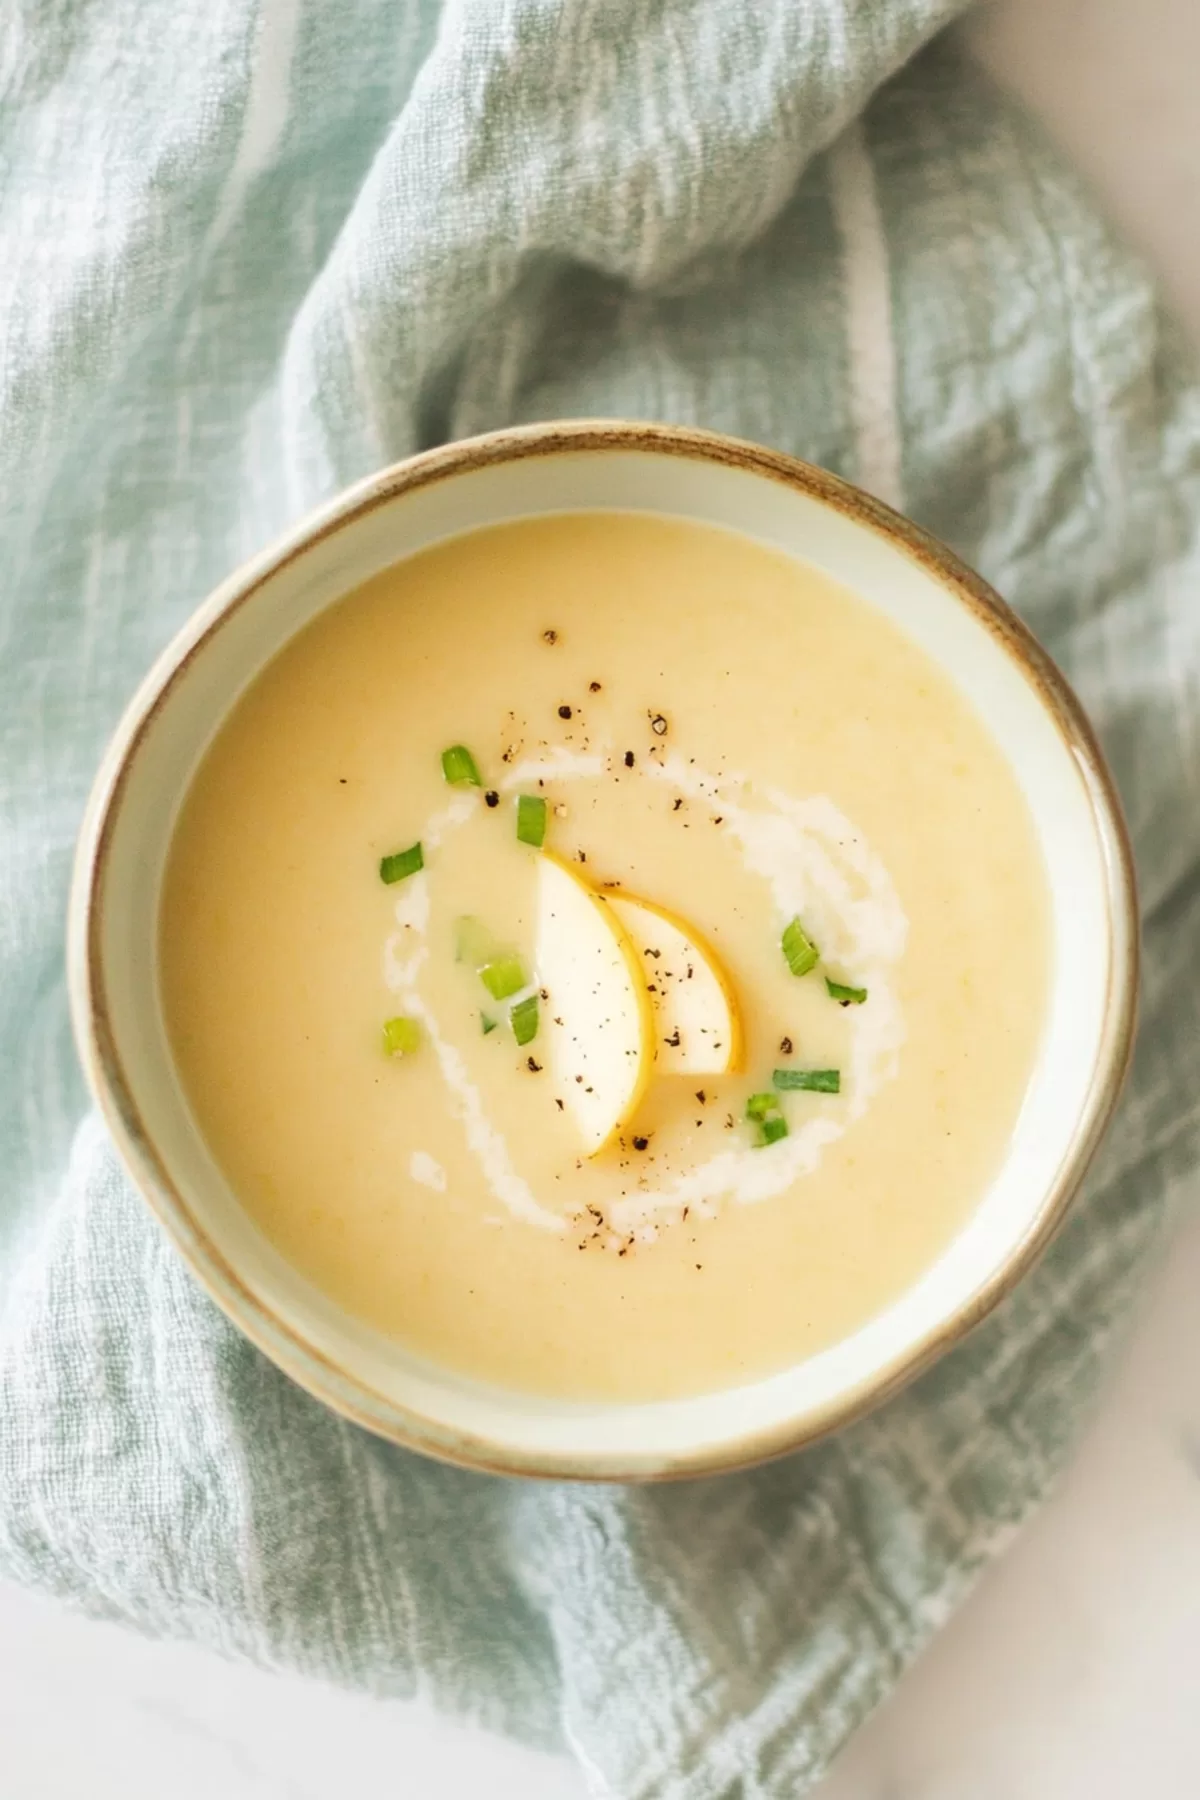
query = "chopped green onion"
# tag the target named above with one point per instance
(849, 996)
(402, 864)
(524, 1019)
(473, 942)
(459, 767)
(488, 1023)
(763, 1111)
(759, 1105)
(801, 953)
(503, 976)
(401, 1036)
(531, 819)
(812, 1081)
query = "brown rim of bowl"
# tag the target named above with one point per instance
(118, 1103)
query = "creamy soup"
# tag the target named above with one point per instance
(605, 956)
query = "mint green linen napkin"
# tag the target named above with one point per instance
(253, 249)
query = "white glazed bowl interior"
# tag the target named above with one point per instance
(120, 1020)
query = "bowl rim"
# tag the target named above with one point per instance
(285, 1345)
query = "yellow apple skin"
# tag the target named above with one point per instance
(722, 1053)
(589, 965)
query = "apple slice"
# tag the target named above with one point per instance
(697, 1022)
(599, 1026)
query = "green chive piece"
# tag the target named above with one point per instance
(402, 864)
(401, 1036)
(503, 976)
(763, 1112)
(849, 996)
(811, 1081)
(531, 819)
(801, 953)
(770, 1131)
(473, 942)
(759, 1105)
(524, 1019)
(488, 1023)
(459, 767)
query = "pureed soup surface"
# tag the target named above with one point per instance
(716, 729)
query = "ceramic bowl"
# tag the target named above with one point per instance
(806, 513)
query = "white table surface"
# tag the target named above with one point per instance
(1074, 1672)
